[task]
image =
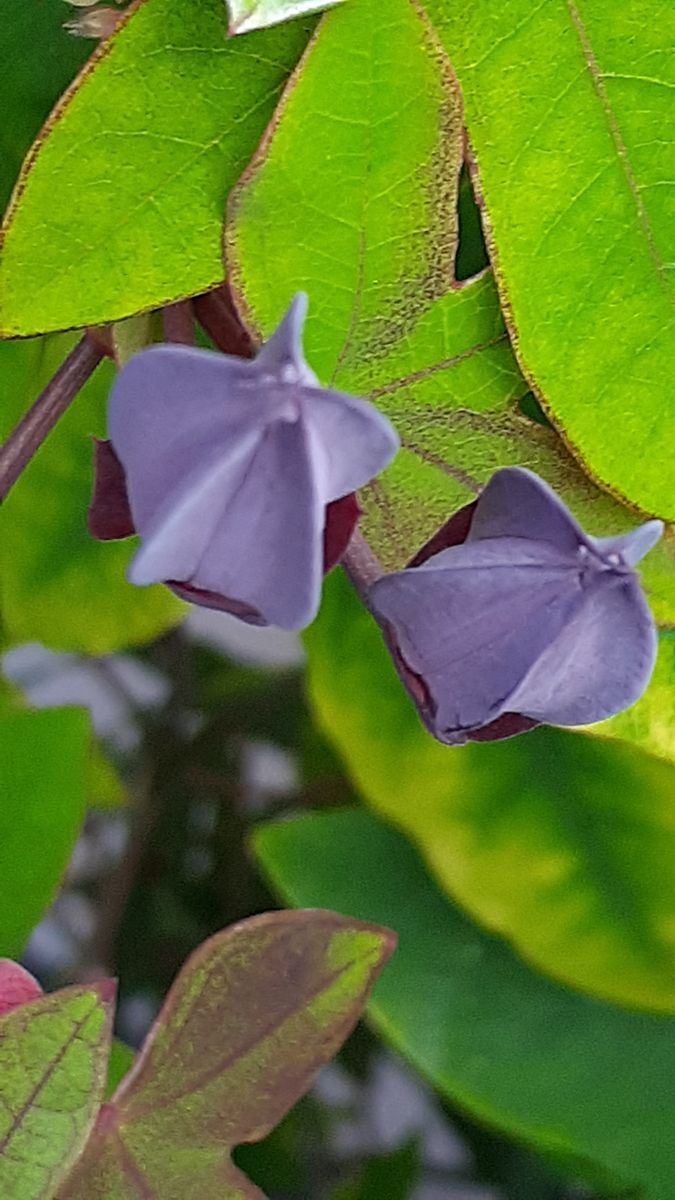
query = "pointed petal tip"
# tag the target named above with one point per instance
(284, 348)
(293, 320)
(634, 545)
(648, 535)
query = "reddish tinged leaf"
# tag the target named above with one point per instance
(17, 986)
(254, 1014)
(53, 1056)
(109, 514)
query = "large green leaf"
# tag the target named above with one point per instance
(53, 1054)
(39, 60)
(566, 104)
(43, 777)
(353, 197)
(120, 205)
(58, 585)
(578, 1079)
(254, 1014)
(563, 843)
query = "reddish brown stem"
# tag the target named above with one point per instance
(217, 315)
(42, 416)
(179, 325)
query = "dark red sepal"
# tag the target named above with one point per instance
(507, 726)
(206, 599)
(109, 517)
(342, 517)
(453, 533)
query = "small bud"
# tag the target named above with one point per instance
(96, 23)
(512, 615)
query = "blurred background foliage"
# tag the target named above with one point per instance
(522, 1042)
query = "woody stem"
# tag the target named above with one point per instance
(42, 416)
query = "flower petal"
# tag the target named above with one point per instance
(282, 356)
(599, 664)
(517, 503)
(171, 408)
(249, 528)
(631, 546)
(353, 441)
(472, 621)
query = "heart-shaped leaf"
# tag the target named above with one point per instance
(353, 198)
(584, 1082)
(566, 106)
(119, 207)
(253, 1015)
(53, 1054)
(561, 842)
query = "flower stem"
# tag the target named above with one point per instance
(216, 314)
(361, 566)
(179, 324)
(42, 416)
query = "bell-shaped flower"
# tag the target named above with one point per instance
(239, 473)
(527, 620)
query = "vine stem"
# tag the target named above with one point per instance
(361, 566)
(217, 315)
(42, 416)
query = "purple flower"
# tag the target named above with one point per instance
(231, 467)
(527, 620)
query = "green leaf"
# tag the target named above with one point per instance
(53, 1054)
(43, 777)
(246, 15)
(353, 198)
(566, 104)
(60, 586)
(563, 843)
(251, 1018)
(104, 788)
(39, 60)
(582, 1081)
(119, 207)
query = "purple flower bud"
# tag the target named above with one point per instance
(527, 619)
(231, 467)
